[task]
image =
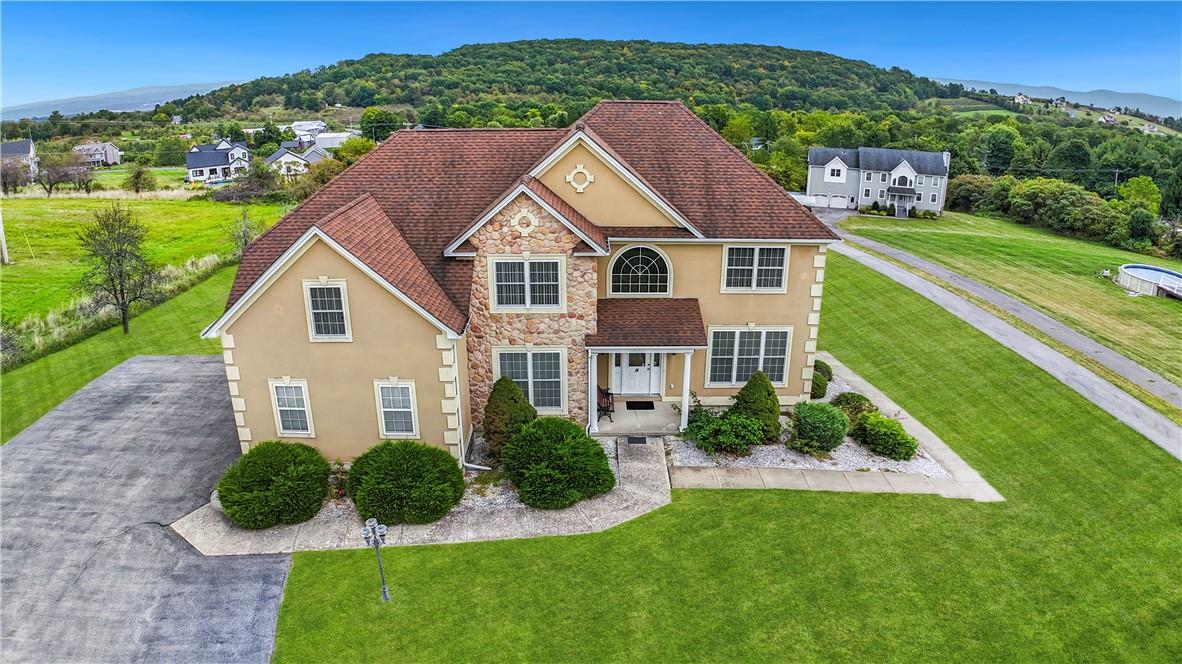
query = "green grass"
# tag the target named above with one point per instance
(172, 328)
(1079, 563)
(167, 177)
(1052, 273)
(43, 242)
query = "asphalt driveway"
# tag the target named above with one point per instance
(90, 570)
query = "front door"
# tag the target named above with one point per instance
(638, 373)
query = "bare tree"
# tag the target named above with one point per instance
(56, 170)
(243, 231)
(120, 274)
(14, 174)
(83, 179)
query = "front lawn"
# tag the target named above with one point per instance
(1054, 274)
(172, 328)
(1080, 562)
(167, 177)
(43, 242)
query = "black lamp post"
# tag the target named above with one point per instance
(375, 536)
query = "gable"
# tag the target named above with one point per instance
(609, 200)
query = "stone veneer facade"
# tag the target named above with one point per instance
(503, 234)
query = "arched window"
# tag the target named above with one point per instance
(903, 181)
(640, 270)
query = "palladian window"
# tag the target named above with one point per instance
(640, 271)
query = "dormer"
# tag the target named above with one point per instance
(223, 144)
(903, 175)
(835, 170)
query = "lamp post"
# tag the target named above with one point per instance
(375, 536)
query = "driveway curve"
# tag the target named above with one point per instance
(91, 571)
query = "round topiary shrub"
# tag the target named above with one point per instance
(731, 433)
(817, 427)
(405, 482)
(757, 400)
(853, 405)
(273, 483)
(820, 386)
(505, 413)
(822, 367)
(555, 464)
(884, 437)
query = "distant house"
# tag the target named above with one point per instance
(22, 151)
(332, 140)
(1021, 99)
(1149, 128)
(291, 164)
(215, 162)
(176, 119)
(98, 154)
(854, 178)
(1108, 118)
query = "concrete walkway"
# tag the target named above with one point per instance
(642, 485)
(1120, 404)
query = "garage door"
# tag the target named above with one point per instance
(839, 201)
(821, 200)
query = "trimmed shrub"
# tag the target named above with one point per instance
(822, 367)
(555, 464)
(757, 400)
(820, 386)
(273, 483)
(732, 433)
(817, 427)
(405, 482)
(884, 437)
(505, 413)
(853, 405)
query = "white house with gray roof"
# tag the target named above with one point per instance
(856, 178)
(216, 162)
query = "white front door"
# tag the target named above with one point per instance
(637, 373)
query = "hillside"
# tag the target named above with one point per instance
(135, 99)
(1154, 105)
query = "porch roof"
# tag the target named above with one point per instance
(648, 323)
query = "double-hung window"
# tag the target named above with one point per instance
(935, 182)
(293, 414)
(934, 196)
(866, 192)
(755, 268)
(539, 374)
(396, 408)
(835, 172)
(527, 284)
(328, 310)
(882, 177)
(736, 354)
(919, 180)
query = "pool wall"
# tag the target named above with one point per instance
(1136, 284)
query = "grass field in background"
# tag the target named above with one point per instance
(1078, 563)
(171, 328)
(167, 177)
(43, 242)
(1054, 274)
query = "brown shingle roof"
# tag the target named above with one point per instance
(547, 195)
(648, 322)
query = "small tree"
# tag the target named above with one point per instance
(140, 180)
(55, 170)
(243, 231)
(14, 174)
(83, 179)
(353, 149)
(317, 176)
(1141, 224)
(506, 412)
(120, 274)
(758, 401)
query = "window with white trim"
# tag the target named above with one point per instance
(935, 182)
(640, 270)
(866, 193)
(934, 196)
(199, 173)
(755, 268)
(869, 176)
(538, 373)
(327, 302)
(882, 177)
(882, 193)
(293, 416)
(396, 408)
(919, 180)
(835, 172)
(527, 284)
(735, 355)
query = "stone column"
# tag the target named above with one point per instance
(685, 387)
(592, 392)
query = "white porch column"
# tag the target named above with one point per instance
(592, 392)
(685, 387)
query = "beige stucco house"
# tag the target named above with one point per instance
(635, 251)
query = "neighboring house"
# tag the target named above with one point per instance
(22, 151)
(1021, 99)
(1149, 128)
(331, 140)
(1108, 118)
(291, 163)
(216, 162)
(98, 154)
(176, 119)
(853, 179)
(636, 252)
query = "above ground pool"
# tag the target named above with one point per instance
(1150, 280)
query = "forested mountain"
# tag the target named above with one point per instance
(574, 73)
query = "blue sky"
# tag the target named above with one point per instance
(53, 51)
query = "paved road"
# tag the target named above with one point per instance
(1141, 418)
(1151, 381)
(91, 572)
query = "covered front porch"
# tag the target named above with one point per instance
(639, 364)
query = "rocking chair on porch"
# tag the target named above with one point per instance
(605, 404)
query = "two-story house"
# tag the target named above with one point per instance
(291, 163)
(636, 252)
(216, 162)
(98, 154)
(848, 178)
(22, 151)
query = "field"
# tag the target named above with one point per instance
(974, 107)
(167, 177)
(1054, 274)
(172, 328)
(1089, 113)
(1078, 563)
(43, 244)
